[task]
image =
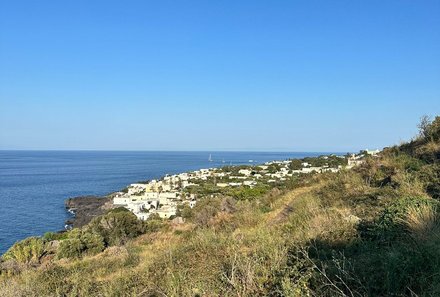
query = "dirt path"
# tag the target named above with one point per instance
(280, 215)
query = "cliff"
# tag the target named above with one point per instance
(86, 208)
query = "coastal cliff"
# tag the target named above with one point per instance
(85, 208)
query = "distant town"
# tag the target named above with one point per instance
(166, 196)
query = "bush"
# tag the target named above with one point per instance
(430, 176)
(268, 200)
(79, 243)
(26, 251)
(116, 227)
(246, 193)
(395, 213)
(295, 164)
(398, 257)
(185, 211)
(429, 130)
(51, 236)
(205, 210)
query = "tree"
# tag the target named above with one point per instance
(295, 164)
(424, 126)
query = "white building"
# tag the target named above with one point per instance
(249, 183)
(245, 172)
(372, 153)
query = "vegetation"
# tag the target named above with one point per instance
(80, 242)
(370, 231)
(26, 251)
(330, 161)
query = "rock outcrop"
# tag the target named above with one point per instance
(86, 208)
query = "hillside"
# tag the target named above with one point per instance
(372, 230)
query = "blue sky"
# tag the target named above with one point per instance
(216, 75)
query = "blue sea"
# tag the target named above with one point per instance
(34, 184)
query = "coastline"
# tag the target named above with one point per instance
(72, 175)
(85, 208)
(165, 196)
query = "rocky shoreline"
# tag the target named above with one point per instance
(85, 208)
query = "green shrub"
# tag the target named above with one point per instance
(116, 227)
(430, 176)
(295, 164)
(25, 251)
(185, 211)
(395, 213)
(113, 228)
(79, 243)
(246, 193)
(153, 224)
(50, 236)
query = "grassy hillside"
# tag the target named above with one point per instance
(370, 231)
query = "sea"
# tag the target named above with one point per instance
(34, 184)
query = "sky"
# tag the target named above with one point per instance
(216, 75)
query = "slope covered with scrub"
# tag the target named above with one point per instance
(370, 231)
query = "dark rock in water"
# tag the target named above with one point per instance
(86, 208)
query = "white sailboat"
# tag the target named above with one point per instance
(210, 158)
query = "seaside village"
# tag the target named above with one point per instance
(162, 197)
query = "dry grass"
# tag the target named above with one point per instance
(423, 222)
(287, 204)
(431, 147)
(251, 251)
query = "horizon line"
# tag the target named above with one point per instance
(183, 150)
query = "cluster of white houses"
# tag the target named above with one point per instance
(357, 159)
(162, 197)
(159, 197)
